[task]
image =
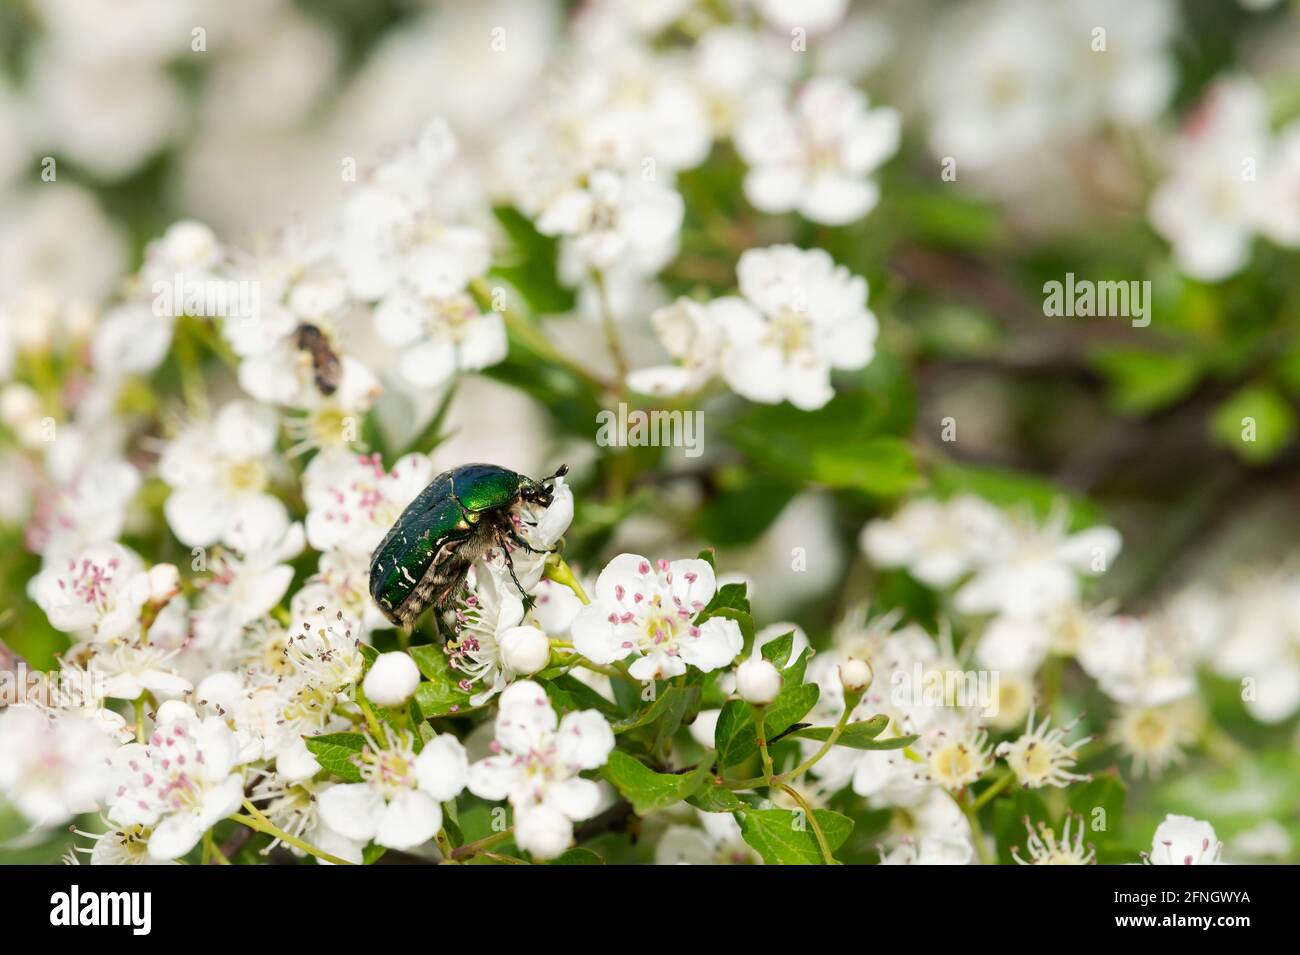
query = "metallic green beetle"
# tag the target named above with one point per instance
(458, 518)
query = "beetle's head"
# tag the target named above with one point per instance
(540, 492)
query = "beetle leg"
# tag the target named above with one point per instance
(514, 536)
(510, 566)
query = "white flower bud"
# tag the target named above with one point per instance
(757, 681)
(855, 675)
(164, 582)
(543, 832)
(392, 679)
(524, 650)
(19, 404)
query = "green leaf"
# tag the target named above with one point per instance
(838, 446)
(790, 707)
(648, 790)
(734, 737)
(568, 693)
(859, 735)
(728, 597)
(714, 797)
(673, 702)
(786, 837)
(440, 696)
(578, 856)
(1255, 423)
(1142, 381)
(777, 652)
(336, 751)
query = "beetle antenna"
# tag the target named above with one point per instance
(562, 470)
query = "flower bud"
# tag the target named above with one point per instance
(164, 582)
(524, 650)
(855, 675)
(757, 681)
(392, 679)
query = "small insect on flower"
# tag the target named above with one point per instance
(458, 518)
(326, 368)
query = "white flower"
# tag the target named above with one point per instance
(342, 582)
(182, 783)
(218, 471)
(52, 765)
(995, 83)
(130, 669)
(1041, 757)
(939, 542)
(1208, 206)
(536, 766)
(393, 232)
(815, 155)
(1046, 849)
(718, 841)
(294, 807)
(809, 317)
(392, 679)
(483, 617)
(84, 503)
(758, 681)
(1154, 736)
(121, 845)
(811, 15)
(648, 610)
(100, 591)
(525, 650)
(352, 501)
(1031, 568)
(1261, 641)
(691, 332)
(612, 219)
(1182, 840)
(438, 335)
(397, 804)
(240, 590)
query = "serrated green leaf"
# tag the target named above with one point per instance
(336, 753)
(733, 737)
(648, 790)
(786, 837)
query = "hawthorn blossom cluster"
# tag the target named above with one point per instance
(205, 453)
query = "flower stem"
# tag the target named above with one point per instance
(996, 787)
(827, 856)
(560, 572)
(487, 842)
(212, 852)
(259, 822)
(760, 717)
(139, 719)
(611, 328)
(976, 830)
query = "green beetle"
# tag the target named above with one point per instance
(463, 513)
